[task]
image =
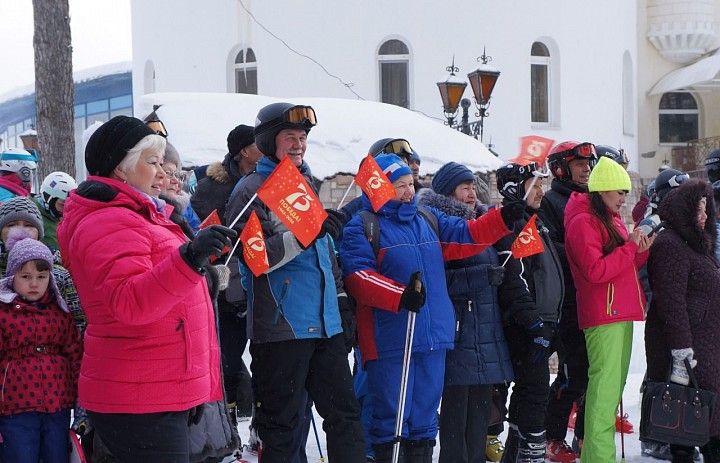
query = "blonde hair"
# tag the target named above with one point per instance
(153, 142)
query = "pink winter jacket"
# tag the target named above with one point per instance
(607, 287)
(150, 343)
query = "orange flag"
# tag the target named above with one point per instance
(213, 219)
(528, 241)
(289, 196)
(253, 243)
(533, 149)
(374, 183)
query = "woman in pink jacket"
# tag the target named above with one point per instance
(604, 260)
(151, 353)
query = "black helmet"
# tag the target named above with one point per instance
(617, 155)
(278, 116)
(511, 179)
(712, 165)
(665, 181)
(563, 153)
(398, 146)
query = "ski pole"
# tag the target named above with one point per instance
(317, 438)
(410, 333)
(622, 432)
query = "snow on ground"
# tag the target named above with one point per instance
(198, 124)
(631, 402)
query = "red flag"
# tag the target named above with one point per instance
(253, 243)
(374, 183)
(213, 219)
(533, 149)
(528, 241)
(289, 196)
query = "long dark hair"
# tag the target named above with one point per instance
(600, 210)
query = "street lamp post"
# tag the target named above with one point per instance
(482, 81)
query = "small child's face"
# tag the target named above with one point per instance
(30, 283)
(18, 224)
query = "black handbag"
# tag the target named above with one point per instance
(676, 414)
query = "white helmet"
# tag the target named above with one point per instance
(57, 185)
(18, 161)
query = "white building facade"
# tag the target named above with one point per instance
(569, 69)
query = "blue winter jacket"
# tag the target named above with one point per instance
(297, 297)
(481, 354)
(407, 244)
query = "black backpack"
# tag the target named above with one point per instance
(371, 225)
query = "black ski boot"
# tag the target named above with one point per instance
(711, 451)
(511, 446)
(531, 447)
(419, 451)
(683, 454)
(384, 452)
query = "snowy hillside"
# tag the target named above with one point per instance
(198, 124)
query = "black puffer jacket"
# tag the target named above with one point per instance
(552, 213)
(534, 286)
(213, 191)
(685, 281)
(481, 354)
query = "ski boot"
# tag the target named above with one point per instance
(494, 448)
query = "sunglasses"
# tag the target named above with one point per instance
(158, 127)
(301, 115)
(398, 146)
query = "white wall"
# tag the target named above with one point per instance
(190, 49)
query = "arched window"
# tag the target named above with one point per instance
(628, 93)
(246, 72)
(394, 62)
(678, 117)
(540, 83)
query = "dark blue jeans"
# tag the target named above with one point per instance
(31, 436)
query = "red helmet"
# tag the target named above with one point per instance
(564, 152)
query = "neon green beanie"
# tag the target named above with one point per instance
(608, 175)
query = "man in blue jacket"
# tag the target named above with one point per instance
(295, 324)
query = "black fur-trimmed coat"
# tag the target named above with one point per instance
(685, 281)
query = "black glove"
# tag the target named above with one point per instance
(195, 414)
(333, 224)
(208, 242)
(411, 298)
(495, 273)
(541, 335)
(512, 212)
(349, 323)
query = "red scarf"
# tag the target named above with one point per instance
(12, 183)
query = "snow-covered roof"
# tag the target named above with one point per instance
(78, 76)
(198, 124)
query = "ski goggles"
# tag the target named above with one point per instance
(302, 115)
(678, 180)
(532, 169)
(158, 127)
(399, 146)
(583, 150)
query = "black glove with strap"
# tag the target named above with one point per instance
(349, 323)
(333, 224)
(541, 335)
(208, 242)
(512, 212)
(413, 298)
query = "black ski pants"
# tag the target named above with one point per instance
(464, 422)
(570, 384)
(236, 377)
(529, 398)
(281, 373)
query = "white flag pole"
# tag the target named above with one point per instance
(235, 222)
(342, 201)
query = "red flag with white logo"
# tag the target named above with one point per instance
(253, 243)
(533, 149)
(528, 241)
(293, 200)
(374, 183)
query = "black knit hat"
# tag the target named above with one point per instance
(110, 143)
(240, 137)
